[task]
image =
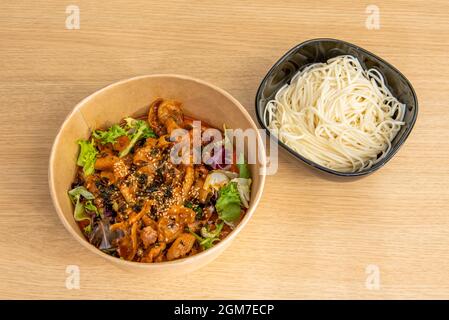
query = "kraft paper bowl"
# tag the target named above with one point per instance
(132, 97)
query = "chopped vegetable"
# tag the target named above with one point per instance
(217, 160)
(88, 229)
(138, 129)
(228, 202)
(208, 238)
(243, 186)
(135, 125)
(91, 207)
(218, 178)
(223, 152)
(196, 208)
(215, 180)
(75, 195)
(87, 156)
(102, 236)
(110, 135)
(229, 174)
(243, 168)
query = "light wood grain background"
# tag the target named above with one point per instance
(311, 237)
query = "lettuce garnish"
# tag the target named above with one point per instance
(243, 168)
(110, 135)
(244, 188)
(137, 129)
(228, 202)
(208, 238)
(87, 156)
(195, 207)
(89, 206)
(80, 212)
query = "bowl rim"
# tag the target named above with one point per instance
(311, 163)
(216, 249)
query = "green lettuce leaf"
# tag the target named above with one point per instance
(138, 129)
(228, 202)
(110, 135)
(87, 156)
(243, 168)
(91, 207)
(208, 238)
(77, 192)
(88, 229)
(75, 196)
(195, 207)
(244, 188)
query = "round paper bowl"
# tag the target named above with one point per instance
(132, 97)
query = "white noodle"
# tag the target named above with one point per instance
(337, 114)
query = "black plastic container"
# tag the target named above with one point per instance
(320, 50)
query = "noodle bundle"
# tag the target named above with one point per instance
(337, 114)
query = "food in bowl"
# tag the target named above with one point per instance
(133, 201)
(337, 114)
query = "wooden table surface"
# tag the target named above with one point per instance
(311, 237)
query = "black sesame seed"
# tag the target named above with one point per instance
(142, 179)
(140, 143)
(168, 192)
